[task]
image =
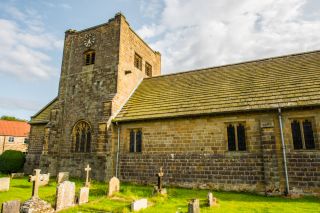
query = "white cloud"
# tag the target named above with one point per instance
(18, 104)
(150, 8)
(199, 33)
(24, 45)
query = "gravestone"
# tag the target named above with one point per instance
(4, 184)
(62, 176)
(212, 201)
(17, 175)
(159, 188)
(194, 206)
(44, 179)
(114, 186)
(35, 204)
(65, 195)
(84, 195)
(12, 206)
(87, 169)
(139, 204)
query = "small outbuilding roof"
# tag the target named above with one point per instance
(14, 128)
(286, 81)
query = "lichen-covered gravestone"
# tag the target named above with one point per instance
(12, 206)
(4, 184)
(65, 195)
(139, 204)
(194, 206)
(114, 186)
(44, 179)
(84, 195)
(62, 176)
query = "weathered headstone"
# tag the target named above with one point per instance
(139, 204)
(87, 169)
(44, 179)
(4, 184)
(114, 186)
(16, 175)
(62, 176)
(194, 206)
(35, 204)
(84, 195)
(212, 201)
(65, 195)
(12, 206)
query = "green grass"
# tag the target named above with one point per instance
(176, 201)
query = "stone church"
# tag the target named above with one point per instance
(252, 126)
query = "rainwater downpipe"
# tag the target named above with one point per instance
(283, 152)
(118, 150)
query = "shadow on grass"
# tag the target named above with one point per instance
(22, 186)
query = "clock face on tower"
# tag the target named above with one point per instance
(89, 40)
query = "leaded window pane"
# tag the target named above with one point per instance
(231, 138)
(139, 141)
(77, 141)
(296, 135)
(83, 141)
(308, 135)
(82, 137)
(88, 145)
(132, 139)
(241, 137)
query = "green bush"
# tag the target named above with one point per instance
(11, 161)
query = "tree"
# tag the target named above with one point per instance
(11, 118)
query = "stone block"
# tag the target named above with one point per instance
(65, 195)
(4, 184)
(62, 176)
(212, 201)
(114, 186)
(44, 179)
(17, 175)
(139, 204)
(194, 206)
(84, 195)
(36, 205)
(12, 206)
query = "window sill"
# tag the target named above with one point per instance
(236, 152)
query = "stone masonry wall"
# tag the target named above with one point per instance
(303, 165)
(128, 75)
(193, 152)
(36, 139)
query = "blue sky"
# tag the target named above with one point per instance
(190, 34)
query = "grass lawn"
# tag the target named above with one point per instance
(176, 201)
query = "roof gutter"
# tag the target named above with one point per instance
(283, 152)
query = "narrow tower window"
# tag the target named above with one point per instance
(138, 61)
(148, 69)
(89, 57)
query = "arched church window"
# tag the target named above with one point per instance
(89, 57)
(82, 137)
